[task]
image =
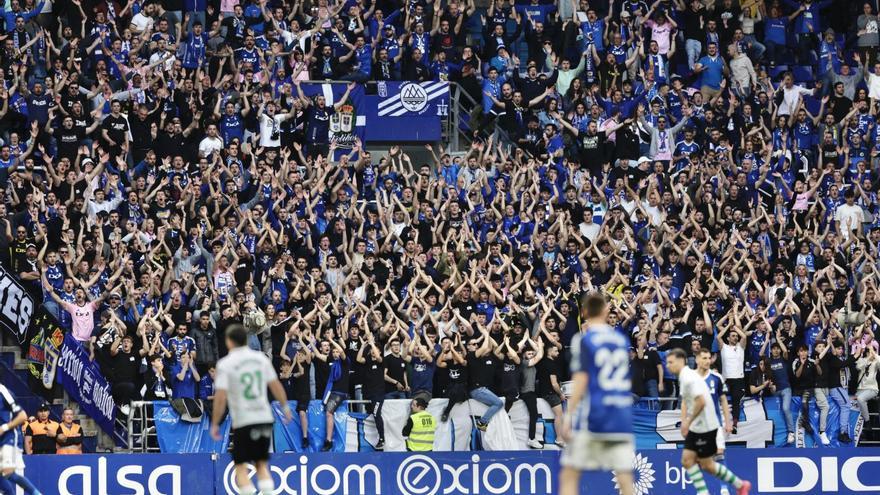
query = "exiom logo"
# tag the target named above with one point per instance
(415, 475)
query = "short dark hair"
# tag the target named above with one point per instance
(237, 335)
(703, 350)
(677, 353)
(592, 305)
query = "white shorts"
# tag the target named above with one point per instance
(11, 458)
(719, 438)
(587, 453)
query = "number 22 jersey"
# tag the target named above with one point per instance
(606, 410)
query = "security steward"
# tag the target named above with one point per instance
(39, 436)
(420, 427)
(69, 437)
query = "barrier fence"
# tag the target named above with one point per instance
(657, 472)
(656, 422)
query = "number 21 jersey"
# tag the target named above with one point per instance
(245, 374)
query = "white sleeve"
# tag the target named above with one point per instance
(222, 380)
(271, 376)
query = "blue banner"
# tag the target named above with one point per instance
(657, 472)
(84, 383)
(117, 474)
(288, 437)
(408, 111)
(350, 120)
(181, 437)
(761, 424)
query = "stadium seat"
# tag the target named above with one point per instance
(803, 74)
(776, 72)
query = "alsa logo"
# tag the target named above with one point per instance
(131, 478)
(802, 475)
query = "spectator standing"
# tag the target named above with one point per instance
(804, 383)
(69, 435)
(482, 365)
(868, 33)
(420, 427)
(732, 366)
(40, 434)
(780, 368)
(185, 377)
(866, 387)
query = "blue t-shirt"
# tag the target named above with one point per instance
(422, 374)
(713, 71)
(206, 387)
(716, 388)
(603, 354)
(779, 368)
(185, 388)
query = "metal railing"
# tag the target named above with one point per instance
(142, 435)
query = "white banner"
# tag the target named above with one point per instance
(505, 432)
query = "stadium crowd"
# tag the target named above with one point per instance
(710, 165)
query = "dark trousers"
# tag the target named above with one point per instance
(737, 389)
(375, 409)
(531, 401)
(456, 394)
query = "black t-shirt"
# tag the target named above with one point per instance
(456, 373)
(341, 385)
(465, 308)
(510, 376)
(116, 128)
(649, 361)
(374, 376)
(126, 367)
(547, 368)
(756, 378)
(481, 370)
(322, 375)
(592, 149)
(396, 367)
(807, 379)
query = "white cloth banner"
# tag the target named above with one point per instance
(505, 431)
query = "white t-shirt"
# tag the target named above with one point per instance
(244, 374)
(851, 214)
(142, 22)
(210, 145)
(732, 361)
(271, 127)
(692, 385)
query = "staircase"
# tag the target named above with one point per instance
(18, 379)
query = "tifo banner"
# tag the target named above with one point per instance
(82, 380)
(47, 337)
(846, 471)
(176, 436)
(350, 121)
(761, 425)
(409, 111)
(16, 306)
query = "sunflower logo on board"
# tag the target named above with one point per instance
(643, 476)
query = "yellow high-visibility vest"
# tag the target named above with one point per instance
(421, 438)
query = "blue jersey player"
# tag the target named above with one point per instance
(598, 426)
(718, 391)
(11, 462)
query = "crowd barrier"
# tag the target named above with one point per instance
(657, 472)
(656, 427)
